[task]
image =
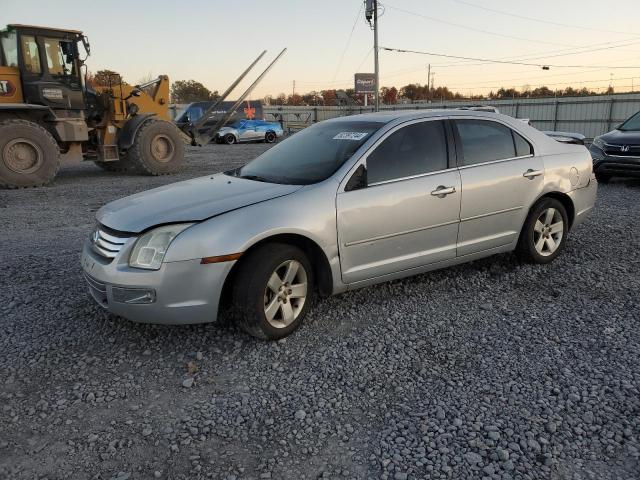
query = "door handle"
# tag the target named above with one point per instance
(531, 174)
(443, 191)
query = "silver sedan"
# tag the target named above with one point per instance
(345, 203)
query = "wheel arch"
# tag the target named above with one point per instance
(317, 257)
(566, 202)
(127, 134)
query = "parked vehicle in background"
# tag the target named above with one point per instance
(617, 153)
(250, 131)
(193, 112)
(343, 204)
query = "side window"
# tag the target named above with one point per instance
(484, 141)
(30, 54)
(523, 148)
(10, 49)
(412, 150)
(58, 63)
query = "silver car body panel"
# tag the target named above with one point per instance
(375, 234)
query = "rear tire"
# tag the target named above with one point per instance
(157, 149)
(229, 139)
(29, 155)
(544, 233)
(270, 137)
(273, 290)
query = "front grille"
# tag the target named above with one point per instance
(98, 290)
(622, 150)
(107, 244)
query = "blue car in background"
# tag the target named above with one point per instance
(250, 131)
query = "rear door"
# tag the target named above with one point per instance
(501, 178)
(407, 214)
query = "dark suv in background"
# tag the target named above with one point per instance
(618, 152)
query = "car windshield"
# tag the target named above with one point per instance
(311, 155)
(631, 124)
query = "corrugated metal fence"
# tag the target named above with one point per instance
(590, 116)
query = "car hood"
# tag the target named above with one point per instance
(620, 137)
(189, 201)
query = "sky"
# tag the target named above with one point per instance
(328, 41)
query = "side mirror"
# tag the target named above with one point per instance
(358, 180)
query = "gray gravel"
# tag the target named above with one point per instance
(492, 370)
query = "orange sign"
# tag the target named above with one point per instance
(249, 111)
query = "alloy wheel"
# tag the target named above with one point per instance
(548, 231)
(285, 294)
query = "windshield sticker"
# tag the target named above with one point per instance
(350, 136)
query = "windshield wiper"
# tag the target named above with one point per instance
(257, 178)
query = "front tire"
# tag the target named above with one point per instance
(270, 137)
(157, 149)
(544, 233)
(272, 290)
(29, 155)
(229, 139)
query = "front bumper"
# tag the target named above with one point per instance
(609, 165)
(184, 292)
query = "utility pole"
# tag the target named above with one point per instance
(371, 13)
(375, 52)
(428, 82)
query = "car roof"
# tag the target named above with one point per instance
(388, 116)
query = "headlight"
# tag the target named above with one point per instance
(150, 248)
(598, 142)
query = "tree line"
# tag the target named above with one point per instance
(188, 91)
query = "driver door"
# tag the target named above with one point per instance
(408, 214)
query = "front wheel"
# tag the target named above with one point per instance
(229, 139)
(270, 137)
(544, 233)
(273, 290)
(157, 149)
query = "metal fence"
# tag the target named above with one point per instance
(590, 116)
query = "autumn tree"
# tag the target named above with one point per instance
(389, 95)
(105, 78)
(330, 97)
(187, 91)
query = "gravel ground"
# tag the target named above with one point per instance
(493, 369)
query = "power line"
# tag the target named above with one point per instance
(539, 20)
(488, 60)
(474, 29)
(348, 43)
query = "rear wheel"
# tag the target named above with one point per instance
(544, 233)
(270, 137)
(273, 290)
(157, 149)
(229, 139)
(29, 155)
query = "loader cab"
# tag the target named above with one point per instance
(48, 62)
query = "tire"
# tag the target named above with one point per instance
(252, 293)
(157, 149)
(540, 241)
(602, 177)
(29, 155)
(229, 139)
(270, 137)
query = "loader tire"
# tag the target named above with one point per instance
(29, 155)
(157, 149)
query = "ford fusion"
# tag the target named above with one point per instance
(345, 203)
(618, 152)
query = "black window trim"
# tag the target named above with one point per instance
(451, 162)
(458, 142)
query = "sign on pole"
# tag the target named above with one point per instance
(365, 82)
